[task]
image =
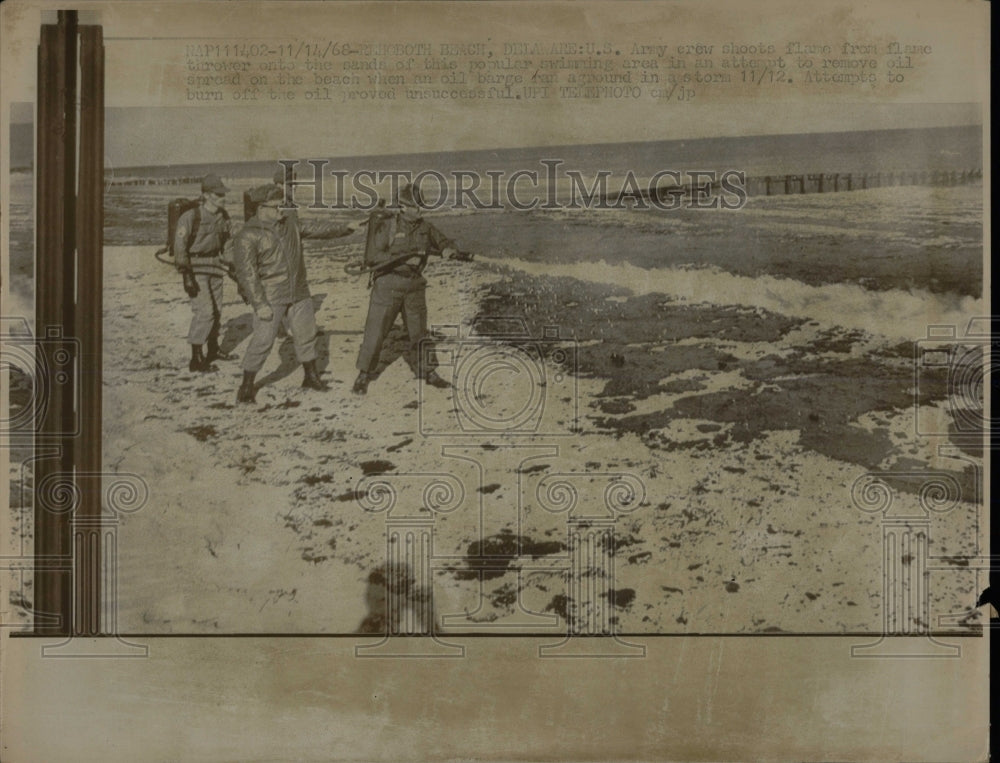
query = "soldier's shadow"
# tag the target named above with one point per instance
(391, 594)
(236, 330)
(286, 350)
(395, 346)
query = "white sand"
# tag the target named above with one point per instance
(254, 529)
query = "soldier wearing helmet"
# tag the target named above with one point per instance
(272, 274)
(199, 240)
(398, 285)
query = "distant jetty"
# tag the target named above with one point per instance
(827, 182)
(766, 185)
(830, 182)
(185, 180)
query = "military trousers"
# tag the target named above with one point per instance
(299, 319)
(392, 294)
(206, 309)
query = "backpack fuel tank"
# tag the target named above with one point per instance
(175, 209)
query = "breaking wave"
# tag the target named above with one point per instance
(895, 314)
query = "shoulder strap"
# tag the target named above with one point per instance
(224, 236)
(195, 223)
(375, 221)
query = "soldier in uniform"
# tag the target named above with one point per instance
(271, 272)
(399, 286)
(199, 240)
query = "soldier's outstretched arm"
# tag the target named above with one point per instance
(317, 229)
(440, 243)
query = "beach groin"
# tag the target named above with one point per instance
(765, 185)
(186, 180)
(817, 182)
(832, 182)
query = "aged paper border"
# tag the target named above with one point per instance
(709, 698)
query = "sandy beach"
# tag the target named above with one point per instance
(744, 427)
(741, 399)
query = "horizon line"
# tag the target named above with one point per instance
(979, 125)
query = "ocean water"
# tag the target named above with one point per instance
(898, 314)
(925, 241)
(925, 149)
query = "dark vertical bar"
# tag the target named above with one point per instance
(89, 312)
(53, 540)
(67, 19)
(43, 120)
(43, 160)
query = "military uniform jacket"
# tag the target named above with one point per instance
(209, 239)
(268, 259)
(391, 235)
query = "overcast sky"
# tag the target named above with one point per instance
(151, 121)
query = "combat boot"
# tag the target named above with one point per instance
(199, 363)
(216, 353)
(432, 378)
(247, 393)
(311, 378)
(361, 384)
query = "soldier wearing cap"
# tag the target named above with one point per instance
(285, 180)
(199, 241)
(271, 272)
(398, 285)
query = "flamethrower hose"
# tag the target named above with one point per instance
(357, 269)
(200, 270)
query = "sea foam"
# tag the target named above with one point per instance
(895, 314)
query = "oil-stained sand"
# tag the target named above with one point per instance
(745, 425)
